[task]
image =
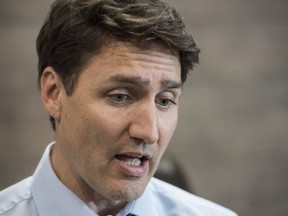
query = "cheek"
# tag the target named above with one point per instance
(167, 130)
(100, 130)
(168, 125)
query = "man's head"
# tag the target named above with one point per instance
(111, 75)
(75, 30)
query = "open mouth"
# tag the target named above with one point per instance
(130, 160)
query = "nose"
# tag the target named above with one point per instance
(144, 125)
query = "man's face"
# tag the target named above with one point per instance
(115, 127)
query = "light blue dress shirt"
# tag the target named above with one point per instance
(43, 194)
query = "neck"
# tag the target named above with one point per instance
(105, 208)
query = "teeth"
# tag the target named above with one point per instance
(134, 162)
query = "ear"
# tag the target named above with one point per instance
(51, 91)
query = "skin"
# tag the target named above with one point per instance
(125, 103)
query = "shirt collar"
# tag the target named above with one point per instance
(145, 205)
(52, 197)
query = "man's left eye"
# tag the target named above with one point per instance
(165, 103)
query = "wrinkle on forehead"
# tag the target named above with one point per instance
(158, 56)
(157, 59)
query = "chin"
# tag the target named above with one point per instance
(128, 191)
(126, 195)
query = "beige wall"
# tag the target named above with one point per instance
(232, 135)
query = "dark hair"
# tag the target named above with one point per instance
(76, 30)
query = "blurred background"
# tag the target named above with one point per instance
(232, 137)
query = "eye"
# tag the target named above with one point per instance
(165, 103)
(118, 98)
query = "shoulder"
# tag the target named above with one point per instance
(184, 202)
(16, 199)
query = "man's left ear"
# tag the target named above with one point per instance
(51, 90)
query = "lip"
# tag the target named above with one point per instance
(136, 154)
(134, 171)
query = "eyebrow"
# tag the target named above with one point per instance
(172, 84)
(139, 81)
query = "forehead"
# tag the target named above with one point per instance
(127, 54)
(120, 47)
(122, 59)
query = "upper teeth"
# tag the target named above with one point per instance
(134, 162)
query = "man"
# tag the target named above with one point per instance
(111, 74)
